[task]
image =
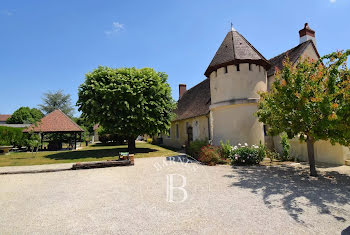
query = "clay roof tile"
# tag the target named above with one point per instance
(55, 121)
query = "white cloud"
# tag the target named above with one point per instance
(115, 29)
(332, 1)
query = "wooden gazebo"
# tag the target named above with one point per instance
(56, 122)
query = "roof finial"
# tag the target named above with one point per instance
(232, 29)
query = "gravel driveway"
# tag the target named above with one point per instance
(167, 196)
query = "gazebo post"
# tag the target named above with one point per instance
(42, 140)
(75, 140)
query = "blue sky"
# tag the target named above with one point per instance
(50, 45)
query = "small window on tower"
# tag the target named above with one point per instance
(259, 68)
(225, 69)
(250, 67)
(237, 66)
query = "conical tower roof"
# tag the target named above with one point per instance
(235, 49)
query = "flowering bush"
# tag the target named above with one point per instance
(210, 155)
(245, 155)
(195, 147)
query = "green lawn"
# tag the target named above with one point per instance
(96, 152)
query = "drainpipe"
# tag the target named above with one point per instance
(209, 137)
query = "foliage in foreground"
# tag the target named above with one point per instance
(311, 101)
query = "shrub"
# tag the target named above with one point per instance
(149, 140)
(226, 149)
(33, 142)
(210, 155)
(245, 155)
(272, 154)
(285, 148)
(194, 147)
(12, 136)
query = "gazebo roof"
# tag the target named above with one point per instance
(55, 121)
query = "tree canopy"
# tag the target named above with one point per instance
(25, 115)
(57, 100)
(129, 101)
(311, 101)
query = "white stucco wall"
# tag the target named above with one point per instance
(325, 152)
(233, 103)
(237, 84)
(199, 127)
(237, 124)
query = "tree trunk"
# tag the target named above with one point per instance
(131, 145)
(311, 155)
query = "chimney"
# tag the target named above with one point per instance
(307, 34)
(182, 90)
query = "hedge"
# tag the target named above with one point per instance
(12, 136)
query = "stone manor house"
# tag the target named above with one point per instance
(222, 106)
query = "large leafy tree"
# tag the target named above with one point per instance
(129, 101)
(53, 100)
(25, 115)
(311, 101)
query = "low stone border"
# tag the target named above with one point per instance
(90, 165)
(33, 171)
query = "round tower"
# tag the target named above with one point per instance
(237, 72)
